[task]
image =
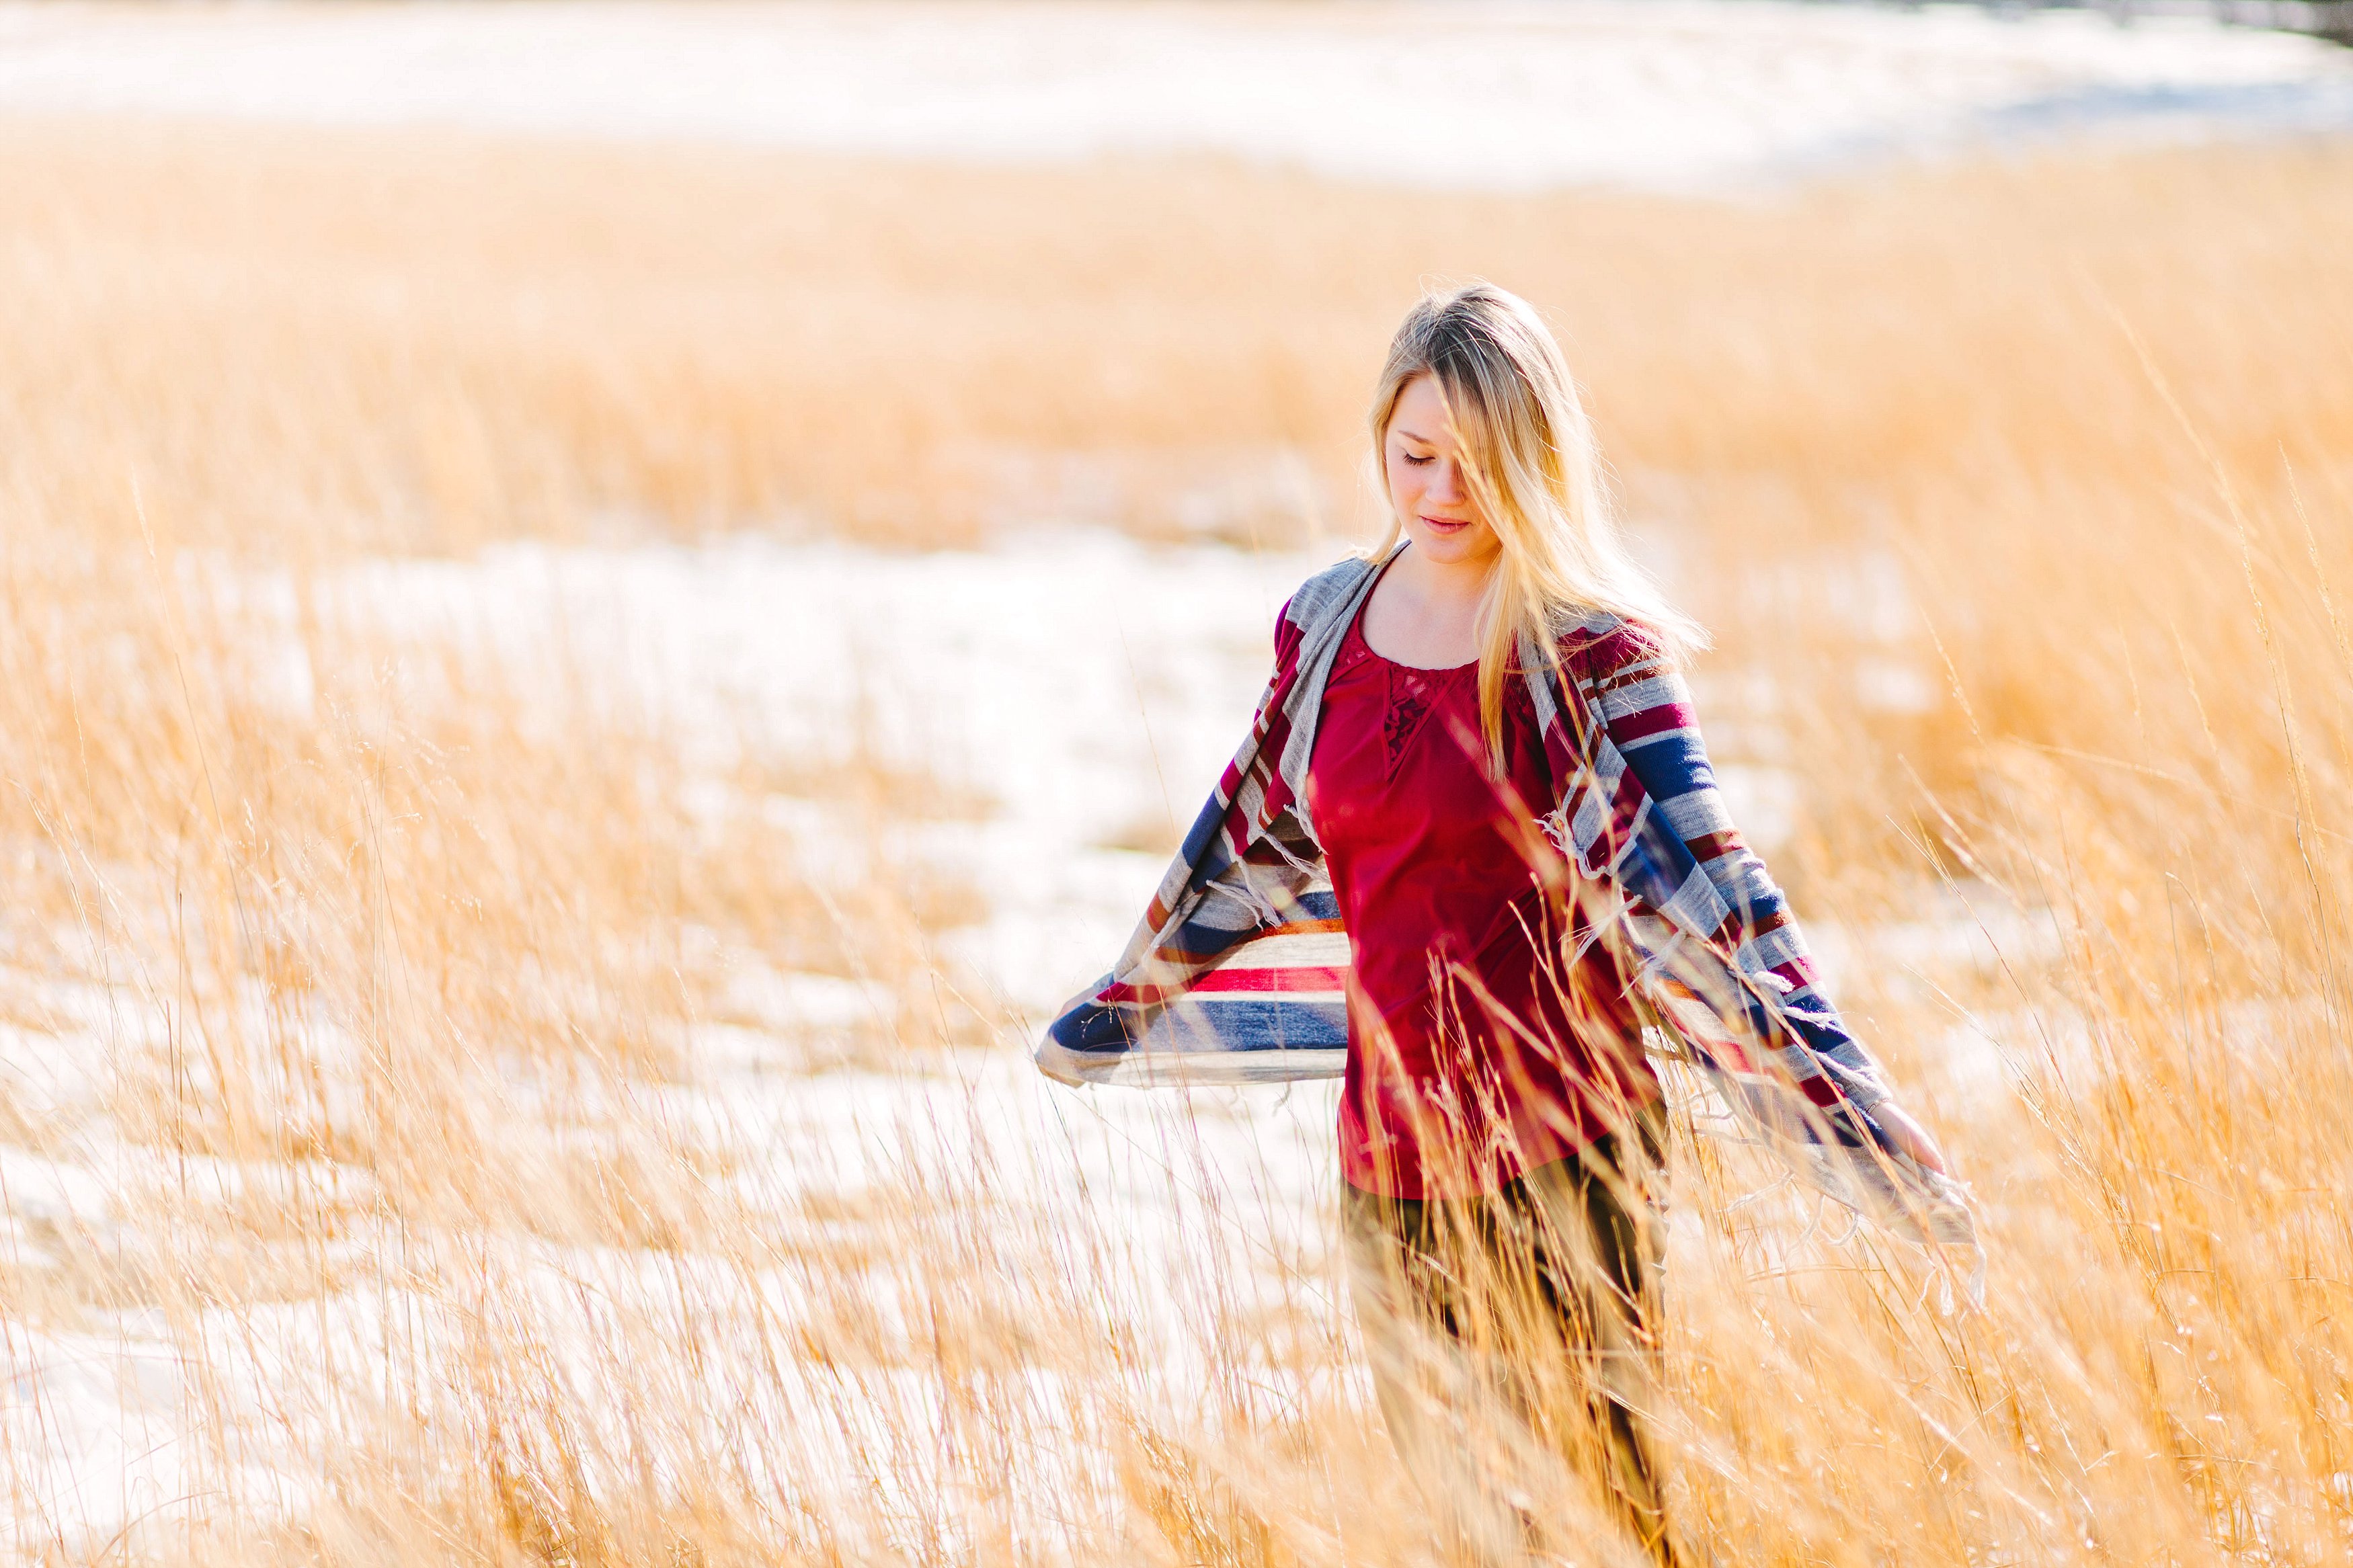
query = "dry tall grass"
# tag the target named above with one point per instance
(2020, 498)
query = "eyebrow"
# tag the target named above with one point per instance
(1421, 440)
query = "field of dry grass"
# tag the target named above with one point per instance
(380, 970)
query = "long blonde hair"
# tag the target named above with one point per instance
(1529, 459)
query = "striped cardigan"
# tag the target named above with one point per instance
(1238, 971)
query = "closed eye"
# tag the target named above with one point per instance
(1418, 462)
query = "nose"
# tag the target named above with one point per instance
(1445, 487)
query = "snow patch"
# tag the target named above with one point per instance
(1504, 94)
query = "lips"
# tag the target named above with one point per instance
(1446, 524)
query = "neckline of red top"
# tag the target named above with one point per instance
(1357, 643)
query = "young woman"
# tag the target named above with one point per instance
(1477, 759)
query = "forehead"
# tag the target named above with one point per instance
(1421, 410)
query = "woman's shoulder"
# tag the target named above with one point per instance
(1598, 642)
(1327, 592)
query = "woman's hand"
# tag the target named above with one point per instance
(1908, 1135)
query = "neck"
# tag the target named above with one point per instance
(1456, 585)
(1425, 612)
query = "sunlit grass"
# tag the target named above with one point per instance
(2018, 497)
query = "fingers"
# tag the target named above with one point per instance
(1911, 1138)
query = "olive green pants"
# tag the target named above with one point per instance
(1512, 1348)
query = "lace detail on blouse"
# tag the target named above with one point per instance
(1413, 694)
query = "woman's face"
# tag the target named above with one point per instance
(1433, 500)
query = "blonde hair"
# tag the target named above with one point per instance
(1530, 462)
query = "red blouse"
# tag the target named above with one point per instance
(1473, 1056)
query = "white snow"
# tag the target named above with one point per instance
(1081, 684)
(1508, 94)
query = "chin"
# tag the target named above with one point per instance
(1453, 549)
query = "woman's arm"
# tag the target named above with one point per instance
(1647, 708)
(1231, 881)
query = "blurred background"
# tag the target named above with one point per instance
(603, 606)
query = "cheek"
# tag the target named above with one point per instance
(1405, 483)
